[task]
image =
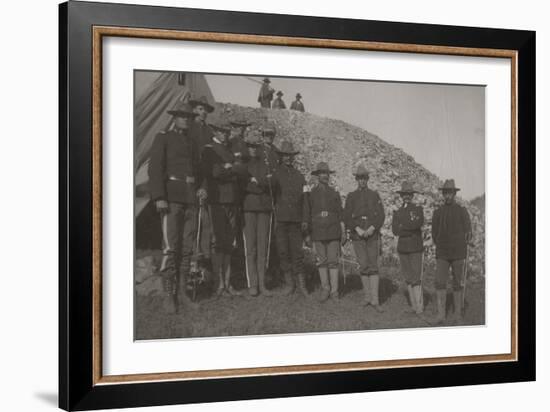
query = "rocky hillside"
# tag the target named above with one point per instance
(345, 146)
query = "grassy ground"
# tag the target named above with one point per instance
(246, 315)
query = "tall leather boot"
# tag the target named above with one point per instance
(457, 296)
(374, 288)
(334, 294)
(325, 285)
(170, 303)
(366, 290)
(261, 283)
(289, 285)
(441, 305)
(227, 267)
(302, 284)
(412, 298)
(417, 292)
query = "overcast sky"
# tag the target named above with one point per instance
(441, 126)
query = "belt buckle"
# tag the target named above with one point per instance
(324, 213)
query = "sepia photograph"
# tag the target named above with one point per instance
(283, 205)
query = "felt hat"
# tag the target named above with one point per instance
(221, 127)
(239, 122)
(298, 95)
(268, 127)
(202, 101)
(287, 148)
(253, 140)
(449, 185)
(182, 110)
(266, 80)
(407, 187)
(361, 172)
(279, 93)
(322, 167)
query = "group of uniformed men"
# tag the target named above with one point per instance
(216, 179)
(265, 98)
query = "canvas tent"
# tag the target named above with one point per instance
(155, 94)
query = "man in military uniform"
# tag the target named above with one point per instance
(265, 96)
(325, 218)
(174, 178)
(269, 150)
(257, 208)
(289, 214)
(407, 225)
(297, 104)
(238, 146)
(451, 232)
(222, 172)
(279, 103)
(364, 216)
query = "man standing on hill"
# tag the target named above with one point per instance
(451, 232)
(173, 180)
(265, 96)
(279, 103)
(327, 228)
(290, 186)
(364, 216)
(297, 104)
(407, 224)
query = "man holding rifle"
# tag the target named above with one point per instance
(451, 233)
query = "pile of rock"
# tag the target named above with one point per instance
(344, 147)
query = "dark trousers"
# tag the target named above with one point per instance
(289, 247)
(367, 251)
(411, 267)
(327, 253)
(256, 230)
(179, 226)
(442, 273)
(224, 225)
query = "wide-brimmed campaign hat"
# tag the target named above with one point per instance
(239, 122)
(266, 80)
(280, 93)
(298, 95)
(182, 110)
(202, 101)
(268, 127)
(253, 140)
(449, 185)
(361, 172)
(287, 148)
(223, 127)
(407, 187)
(322, 167)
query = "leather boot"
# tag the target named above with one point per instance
(374, 287)
(457, 296)
(170, 303)
(302, 284)
(289, 285)
(334, 294)
(441, 306)
(228, 287)
(261, 280)
(183, 300)
(417, 292)
(325, 286)
(412, 298)
(366, 290)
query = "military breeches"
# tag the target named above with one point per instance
(256, 232)
(411, 267)
(442, 273)
(224, 223)
(178, 236)
(327, 253)
(289, 247)
(367, 251)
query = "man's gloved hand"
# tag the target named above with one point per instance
(253, 180)
(369, 231)
(227, 165)
(360, 231)
(162, 206)
(190, 179)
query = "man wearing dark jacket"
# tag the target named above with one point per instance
(222, 172)
(174, 179)
(364, 216)
(265, 96)
(451, 232)
(325, 219)
(290, 185)
(297, 104)
(279, 103)
(407, 225)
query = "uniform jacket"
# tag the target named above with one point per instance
(278, 103)
(297, 105)
(289, 194)
(222, 183)
(266, 95)
(269, 154)
(239, 148)
(174, 159)
(364, 209)
(257, 196)
(201, 133)
(324, 213)
(450, 227)
(407, 224)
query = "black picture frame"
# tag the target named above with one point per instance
(77, 389)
